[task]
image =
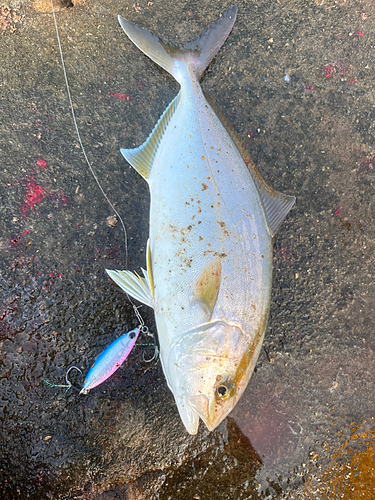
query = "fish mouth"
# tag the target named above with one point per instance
(191, 408)
(189, 416)
(207, 410)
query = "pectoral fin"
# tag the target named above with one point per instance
(207, 289)
(137, 287)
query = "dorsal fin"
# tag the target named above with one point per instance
(141, 159)
(276, 205)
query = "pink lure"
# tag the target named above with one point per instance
(110, 360)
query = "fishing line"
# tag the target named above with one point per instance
(80, 141)
(143, 327)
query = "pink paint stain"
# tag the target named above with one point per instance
(122, 97)
(367, 165)
(338, 212)
(337, 67)
(286, 254)
(330, 69)
(35, 194)
(52, 276)
(14, 241)
(41, 163)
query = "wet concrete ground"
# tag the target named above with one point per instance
(296, 81)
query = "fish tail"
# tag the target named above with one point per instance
(196, 54)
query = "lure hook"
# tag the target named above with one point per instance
(68, 384)
(66, 377)
(155, 356)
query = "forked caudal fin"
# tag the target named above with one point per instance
(196, 54)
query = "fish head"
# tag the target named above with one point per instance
(209, 368)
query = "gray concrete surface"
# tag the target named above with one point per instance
(296, 81)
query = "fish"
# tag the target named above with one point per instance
(208, 273)
(110, 360)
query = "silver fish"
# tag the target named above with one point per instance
(209, 253)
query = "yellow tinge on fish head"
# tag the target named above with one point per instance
(212, 222)
(208, 372)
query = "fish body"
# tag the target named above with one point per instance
(209, 254)
(110, 360)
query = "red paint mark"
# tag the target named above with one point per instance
(14, 241)
(351, 82)
(338, 212)
(337, 67)
(122, 97)
(41, 163)
(51, 277)
(106, 253)
(368, 165)
(285, 254)
(34, 195)
(360, 33)
(140, 85)
(118, 365)
(250, 134)
(330, 69)
(309, 88)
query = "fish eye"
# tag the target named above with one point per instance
(222, 391)
(225, 390)
(131, 335)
